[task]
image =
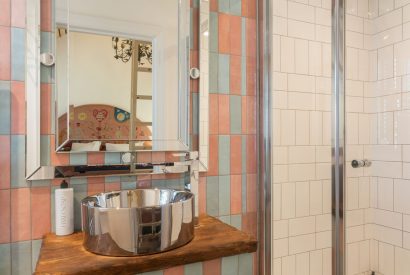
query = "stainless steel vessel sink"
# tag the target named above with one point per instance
(137, 222)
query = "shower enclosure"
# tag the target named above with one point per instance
(339, 136)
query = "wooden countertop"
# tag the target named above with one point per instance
(213, 239)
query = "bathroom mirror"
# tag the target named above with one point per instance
(122, 75)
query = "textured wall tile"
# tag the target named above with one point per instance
(193, 269)
(235, 109)
(229, 265)
(21, 258)
(224, 195)
(5, 259)
(18, 161)
(5, 65)
(5, 106)
(20, 215)
(18, 56)
(40, 209)
(212, 197)
(4, 217)
(224, 155)
(5, 161)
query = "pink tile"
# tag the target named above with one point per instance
(18, 13)
(112, 186)
(235, 72)
(177, 270)
(5, 162)
(251, 187)
(144, 157)
(18, 108)
(95, 180)
(251, 8)
(224, 117)
(249, 221)
(236, 154)
(95, 188)
(202, 195)
(4, 216)
(95, 158)
(213, 114)
(245, 4)
(251, 114)
(212, 267)
(244, 115)
(172, 156)
(158, 156)
(195, 27)
(20, 215)
(251, 37)
(251, 154)
(236, 35)
(5, 53)
(45, 14)
(236, 194)
(60, 158)
(251, 75)
(45, 114)
(40, 212)
(224, 41)
(213, 5)
(5, 13)
(213, 169)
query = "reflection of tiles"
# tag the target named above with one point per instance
(18, 13)
(20, 215)
(18, 161)
(18, 108)
(40, 204)
(18, 56)
(5, 161)
(5, 259)
(21, 257)
(4, 218)
(4, 51)
(5, 106)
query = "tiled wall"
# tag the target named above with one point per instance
(386, 103)
(227, 190)
(301, 137)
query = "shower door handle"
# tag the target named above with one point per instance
(361, 163)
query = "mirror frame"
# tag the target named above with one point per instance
(105, 26)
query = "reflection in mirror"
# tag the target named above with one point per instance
(118, 75)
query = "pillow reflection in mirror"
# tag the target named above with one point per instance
(93, 146)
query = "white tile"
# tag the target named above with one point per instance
(316, 197)
(400, 3)
(354, 23)
(280, 82)
(364, 196)
(406, 170)
(406, 30)
(354, 104)
(302, 200)
(323, 17)
(354, 217)
(383, 152)
(327, 134)
(327, 261)
(302, 264)
(352, 128)
(323, 171)
(280, 100)
(302, 30)
(301, 172)
(323, 222)
(386, 258)
(354, 39)
(280, 8)
(327, 201)
(301, 226)
(280, 173)
(316, 123)
(315, 58)
(301, 56)
(387, 21)
(364, 129)
(302, 128)
(364, 61)
(362, 8)
(280, 155)
(387, 218)
(373, 8)
(289, 265)
(280, 229)
(385, 64)
(316, 3)
(323, 239)
(277, 201)
(406, 153)
(351, 7)
(401, 261)
(386, 169)
(323, 33)
(323, 102)
(287, 127)
(316, 262)
(352, 65)
(387, 235)
(280, 248)
(355, 234)
(402, 127)
(406, 223)
(402, 57)
(364, 256)
(385, 128)
(353, 253)
(323, 154)
(280, 25)
(354, 88)
(324, 85)
(374, 255)
(388, 37)
(352, 193)
(275, 53)
(385, 193)
(302, 243)
(401, 196)
(326, 60)
(301, 12)
(287, 62)
(406, 13)
(288, 200)
(373, 192)
(301, 101)
(301, 83)
(386, 6)
(301, 154)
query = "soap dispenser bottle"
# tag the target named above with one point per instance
(64, 210)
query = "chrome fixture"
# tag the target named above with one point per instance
(137, 222)
(361, 163)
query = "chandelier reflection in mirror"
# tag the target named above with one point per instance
(123, 50)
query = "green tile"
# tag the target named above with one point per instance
(223, 73)
(78, 181)
(213, 33)
(128, 185)
(195, 113)
(235, 7)
(109, 179)
(224, 154)
(80, 192)
(244, 193)
(21, 258)
(5, 104)
(18, 54)
(158, 272)
(224, 195)
(37, 183)
(235, 109)
(78, 158)
(35, 252)
(213, 73)
(47, 73)
(236, 221)
(18, 161)
(193, 269)
(5, 259)
(230, 265)
(212, 198)
(45, 149)
(112, 158)
(245, 266)
(223, 6)
(225, 219)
